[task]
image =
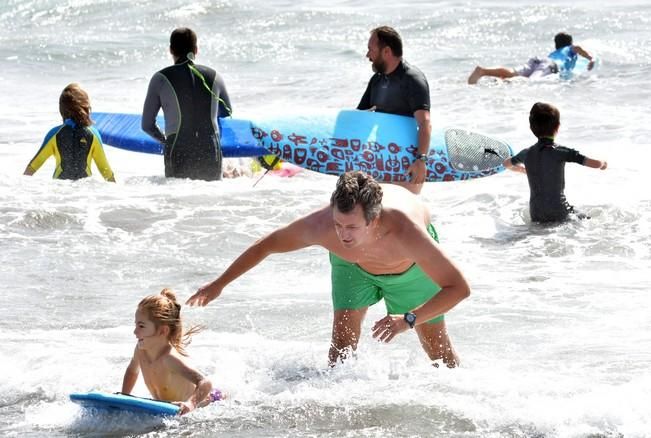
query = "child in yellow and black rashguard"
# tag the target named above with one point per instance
(75, 143)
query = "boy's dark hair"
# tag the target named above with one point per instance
(562, 39)
(388, 36)
(355, 188)
(544, 119)
(183, 41)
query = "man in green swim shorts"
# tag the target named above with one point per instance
(381, 245)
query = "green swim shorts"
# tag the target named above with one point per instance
(354, 288)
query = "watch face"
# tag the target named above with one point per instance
(410, 318)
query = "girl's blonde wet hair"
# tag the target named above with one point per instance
(164, 310)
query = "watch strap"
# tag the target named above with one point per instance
(421, 157)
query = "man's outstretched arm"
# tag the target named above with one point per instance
(297, 235)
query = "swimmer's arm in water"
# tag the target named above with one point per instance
(131, 375)
(99, 157)
(580, 51)
(297, 235)
(508, 163)
(595, 164)
(202, 389)
(45, 151)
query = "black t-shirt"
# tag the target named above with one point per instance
(403, 91)
(545, 164)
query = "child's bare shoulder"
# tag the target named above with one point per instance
(174, 360)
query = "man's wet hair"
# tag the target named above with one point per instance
(358, 188)
(562, 39)
(544, 119)
(183, 40)
(389, 37)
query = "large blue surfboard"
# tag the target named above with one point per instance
(383, 145)
(123, 131)
(122, 402)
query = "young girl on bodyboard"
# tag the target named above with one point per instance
(159, 356)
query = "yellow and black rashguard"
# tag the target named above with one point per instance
(73, 147)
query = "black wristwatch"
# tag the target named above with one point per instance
(410, 319)
(422, 157)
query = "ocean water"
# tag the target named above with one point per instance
(555, 339)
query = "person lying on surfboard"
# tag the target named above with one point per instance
(381, 245)
(159, 355)
(563, 58)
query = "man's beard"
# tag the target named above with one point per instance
(379, 66)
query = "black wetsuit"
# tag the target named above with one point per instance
(403, 91)
(545, 164)
(192, 147)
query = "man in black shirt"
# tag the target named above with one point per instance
(399, 88)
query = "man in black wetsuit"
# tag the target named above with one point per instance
(191, 96)
(544, 164)
(399, 88)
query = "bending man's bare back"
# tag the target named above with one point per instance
(370, 230)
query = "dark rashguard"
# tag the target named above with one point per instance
(545, 164)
